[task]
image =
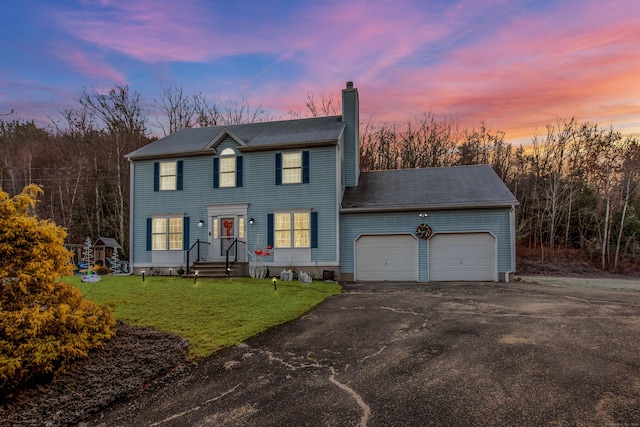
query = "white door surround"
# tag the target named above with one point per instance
(225, 223)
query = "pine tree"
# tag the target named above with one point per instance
(45, 323)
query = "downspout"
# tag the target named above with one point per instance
(512, 232)
(131, 169)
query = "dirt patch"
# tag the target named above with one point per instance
(130, 361)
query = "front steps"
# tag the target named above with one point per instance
(217, 270)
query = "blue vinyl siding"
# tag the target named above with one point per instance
(494, 220)
(258, 190)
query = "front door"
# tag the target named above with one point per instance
(227, 233)
(226, 224)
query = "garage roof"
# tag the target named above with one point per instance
(454, 187)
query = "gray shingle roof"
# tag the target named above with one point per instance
(196, 141)
(429, 188)
(107, 241)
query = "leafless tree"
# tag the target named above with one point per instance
(121, 113)
(177, 109)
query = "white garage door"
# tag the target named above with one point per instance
(387, 258)
(462, 256)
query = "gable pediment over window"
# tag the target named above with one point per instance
(225, 133)
(227, 169)
(167, 175)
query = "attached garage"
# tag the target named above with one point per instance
(468, 208)
(462, 256)
(389, 257)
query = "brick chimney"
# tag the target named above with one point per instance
(351, 116)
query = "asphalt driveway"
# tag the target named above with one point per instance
(480, 354)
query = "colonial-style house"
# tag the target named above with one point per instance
(292, 192)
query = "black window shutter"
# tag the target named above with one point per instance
(216, 172)
(270, 230)
(185, 233)
(278, 168)
(239, 171)
(156, 176)
(314, 229)
(149, 236)
(305, 167)
(179, 175)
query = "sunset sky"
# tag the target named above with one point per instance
(516, 65)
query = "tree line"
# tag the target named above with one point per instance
(577, 183)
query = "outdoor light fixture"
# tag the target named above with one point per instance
(201, 223)
(423, 215)
(195, 277)
(143, 275)
(251, 220)
(170, 272)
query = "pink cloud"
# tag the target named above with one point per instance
(150, 30)
(528, 73)
(518, 72)
(90, 65)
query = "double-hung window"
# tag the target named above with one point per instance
(292, 230)
(291, 168)
(167, 234)
(167, 175)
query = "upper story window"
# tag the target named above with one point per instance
(292, 168)
(167, 175)
(227, 169)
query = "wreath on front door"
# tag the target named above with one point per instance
(423, 231)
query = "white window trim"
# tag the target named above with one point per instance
(167, 232)
(292, 229)
(296, 168)
(228, 154)
(174, 181)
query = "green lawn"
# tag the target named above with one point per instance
(210, 314)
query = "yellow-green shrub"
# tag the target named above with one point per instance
(45, 324)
